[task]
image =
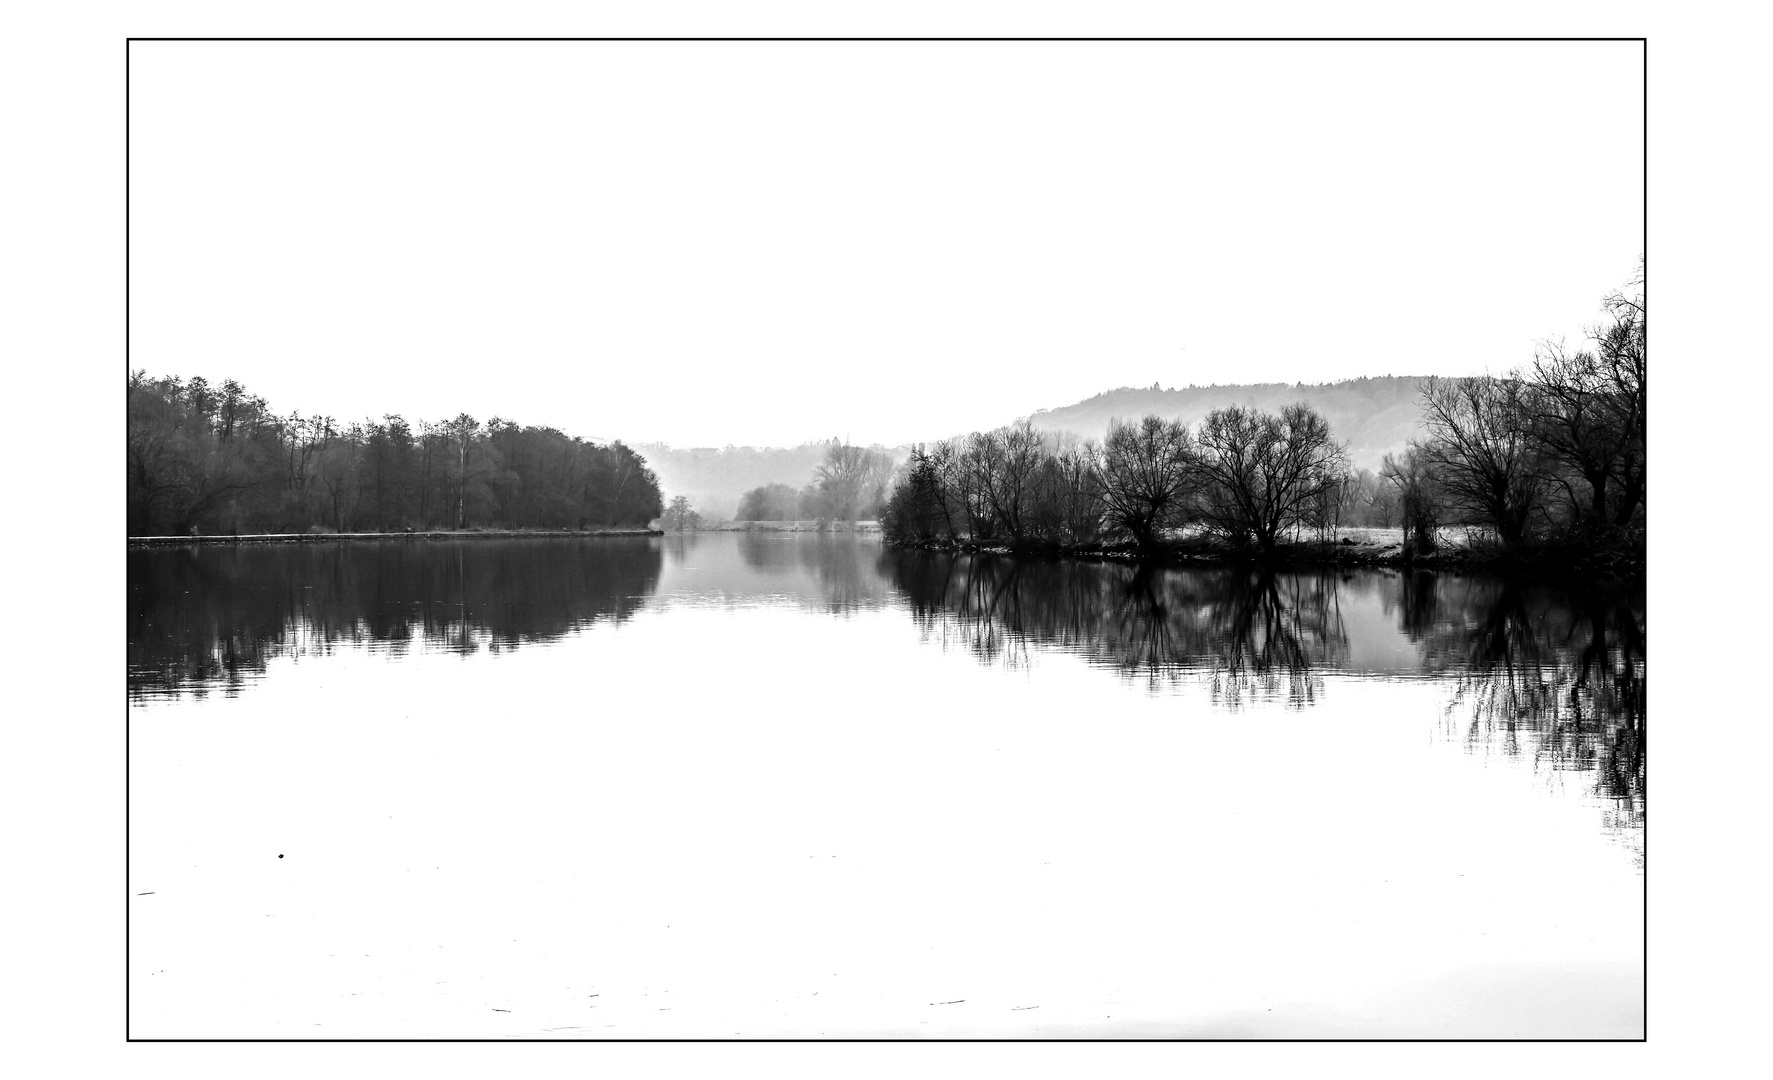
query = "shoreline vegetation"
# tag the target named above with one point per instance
(419, 534)
(1543, 468)
(1349, 549)
(216, 460)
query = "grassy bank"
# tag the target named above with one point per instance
(333, 537)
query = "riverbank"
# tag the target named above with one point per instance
(428, 534)
(1376, 548)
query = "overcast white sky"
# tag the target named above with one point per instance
(766, 243)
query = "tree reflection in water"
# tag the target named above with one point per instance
(1253, 634)
(1555, 675)
(203, 618)
(838, 568)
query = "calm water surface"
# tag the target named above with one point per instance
(774, 785)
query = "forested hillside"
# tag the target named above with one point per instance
(217, 459)
(1374, 416)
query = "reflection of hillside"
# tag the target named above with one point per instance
(214, 616)
(1248, 632)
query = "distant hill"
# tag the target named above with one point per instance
(1373, 416)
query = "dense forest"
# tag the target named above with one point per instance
(217, 459)
(1551, 454)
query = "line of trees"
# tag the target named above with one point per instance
(1246, 475)
(1552, 453)
(216, 459)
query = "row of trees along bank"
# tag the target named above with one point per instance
(1554, 453)
(216, 459)
(1250, 475)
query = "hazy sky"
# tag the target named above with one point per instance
(766, 243)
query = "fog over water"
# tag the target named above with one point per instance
(762, 785)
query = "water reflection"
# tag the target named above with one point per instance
(1555, 675)
(834, 573)
(206, 617)
(841, 565)
(1250, 632)
(1552, 674)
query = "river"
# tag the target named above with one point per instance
(776, 785)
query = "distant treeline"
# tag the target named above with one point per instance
(1552, 453)
(217, 459)
(714, 478)
(849, 485)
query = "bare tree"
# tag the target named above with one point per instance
(944, 458)
(938, 461)
(1010, 461)
(1589, 425)
(1622, 350)
(1262, 474)
(1412, 489)
(1147, 477)
(1071, 494)
(678, 516)
(1382, 506)
(1361, 502)
(851, 478)
(973, 464)
(1488, 468)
